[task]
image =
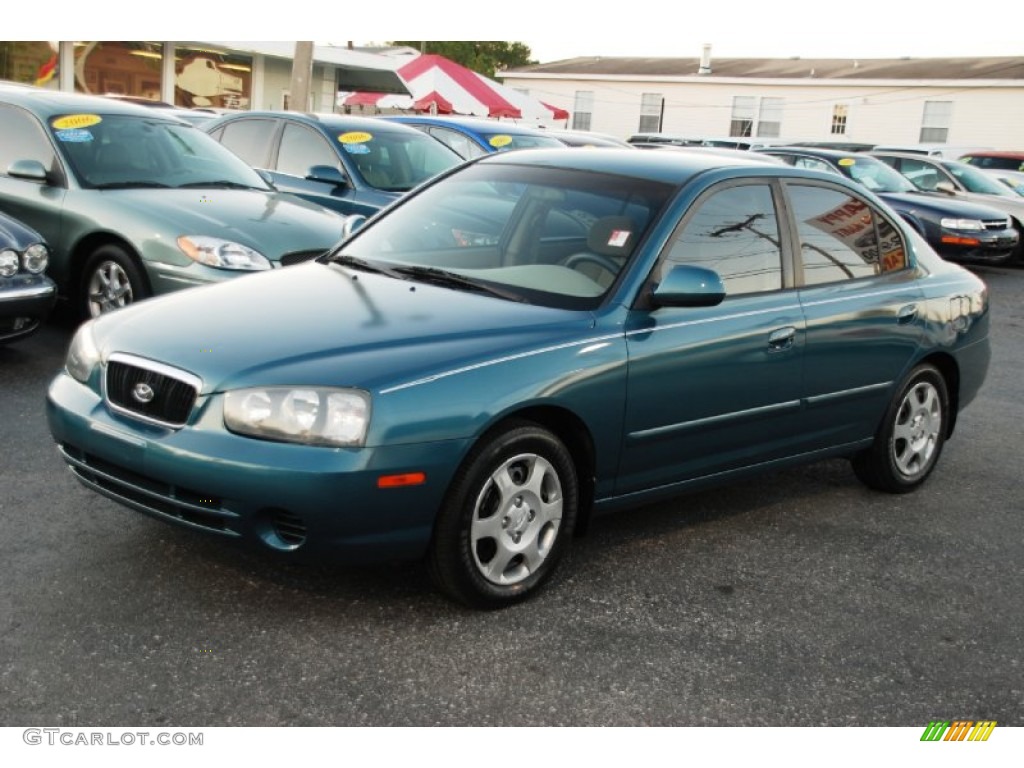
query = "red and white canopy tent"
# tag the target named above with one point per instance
(440, 86)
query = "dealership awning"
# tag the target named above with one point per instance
(441, 86)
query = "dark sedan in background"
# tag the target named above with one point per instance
(477, 136)
(26, 294)
(353, 165)
(957, 230)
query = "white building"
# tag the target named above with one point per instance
(960, 101)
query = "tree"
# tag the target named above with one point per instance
(485, 57)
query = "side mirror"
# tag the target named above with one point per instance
(352, 223)
(688, 286)
(327, 174)
(30, 170)
(945, 187)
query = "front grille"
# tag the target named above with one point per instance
(170, 502)
(297, 257)
(995, 223)
(130, 381)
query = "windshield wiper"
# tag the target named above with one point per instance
(219, 184)
(365, 266)
(454, 280)
(131, 185)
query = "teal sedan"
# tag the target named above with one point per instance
(134, 202)
(526, 341)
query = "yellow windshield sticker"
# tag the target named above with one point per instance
(846, 161)
(355, 137)
(500, 141)
(76, 121)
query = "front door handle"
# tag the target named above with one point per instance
(906, 314)
(781, 339)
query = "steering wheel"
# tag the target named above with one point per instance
(585, 257)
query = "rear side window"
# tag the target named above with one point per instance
(250, 140)
(842, 237)
(735, 232)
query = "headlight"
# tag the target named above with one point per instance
(224, 254)
(972, 225)
(82, 355)
(337, 417)
(36, 258)
(8, 263)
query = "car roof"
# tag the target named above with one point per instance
(1013, 154)
(327, 121)
(479, 124)
(667, 167)
(45, 103)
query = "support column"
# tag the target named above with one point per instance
(167, 74)
(66, 65)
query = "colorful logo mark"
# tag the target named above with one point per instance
(958, 730)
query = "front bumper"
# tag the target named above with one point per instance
(25, 301)
(306, 502)
(993, 247)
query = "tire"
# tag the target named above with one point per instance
(910, 440)
(111, 280)
(507, 518)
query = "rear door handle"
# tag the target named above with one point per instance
(781, 339)
(906, 314)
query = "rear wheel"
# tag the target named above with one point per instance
(111, 280)
(910, 440)
(507, 519)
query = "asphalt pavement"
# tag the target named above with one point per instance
(799, 598)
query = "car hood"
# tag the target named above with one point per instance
(14, 234)
(273, 223)
(940, 206)
(321, 324)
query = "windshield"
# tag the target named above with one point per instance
(874, 174)
(978, 181)
(501, 142)
(549, 236)
(396, 162)
(125, 151)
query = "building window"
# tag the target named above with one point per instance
(652, 107)
(839, 113)
(582, 110)
(742, 116)
(935, 123)
(769, 123)
(34, 63)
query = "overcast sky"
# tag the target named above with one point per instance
(557, 29)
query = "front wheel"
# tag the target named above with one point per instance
(111, 280)
(507, 518)
(910, 439)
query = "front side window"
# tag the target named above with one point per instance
(301, 149)
(23, 139)
(734, 232)
(842, 237)
(250, 140)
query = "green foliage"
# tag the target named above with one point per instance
(485, 57)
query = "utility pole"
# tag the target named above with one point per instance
(302, 73)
